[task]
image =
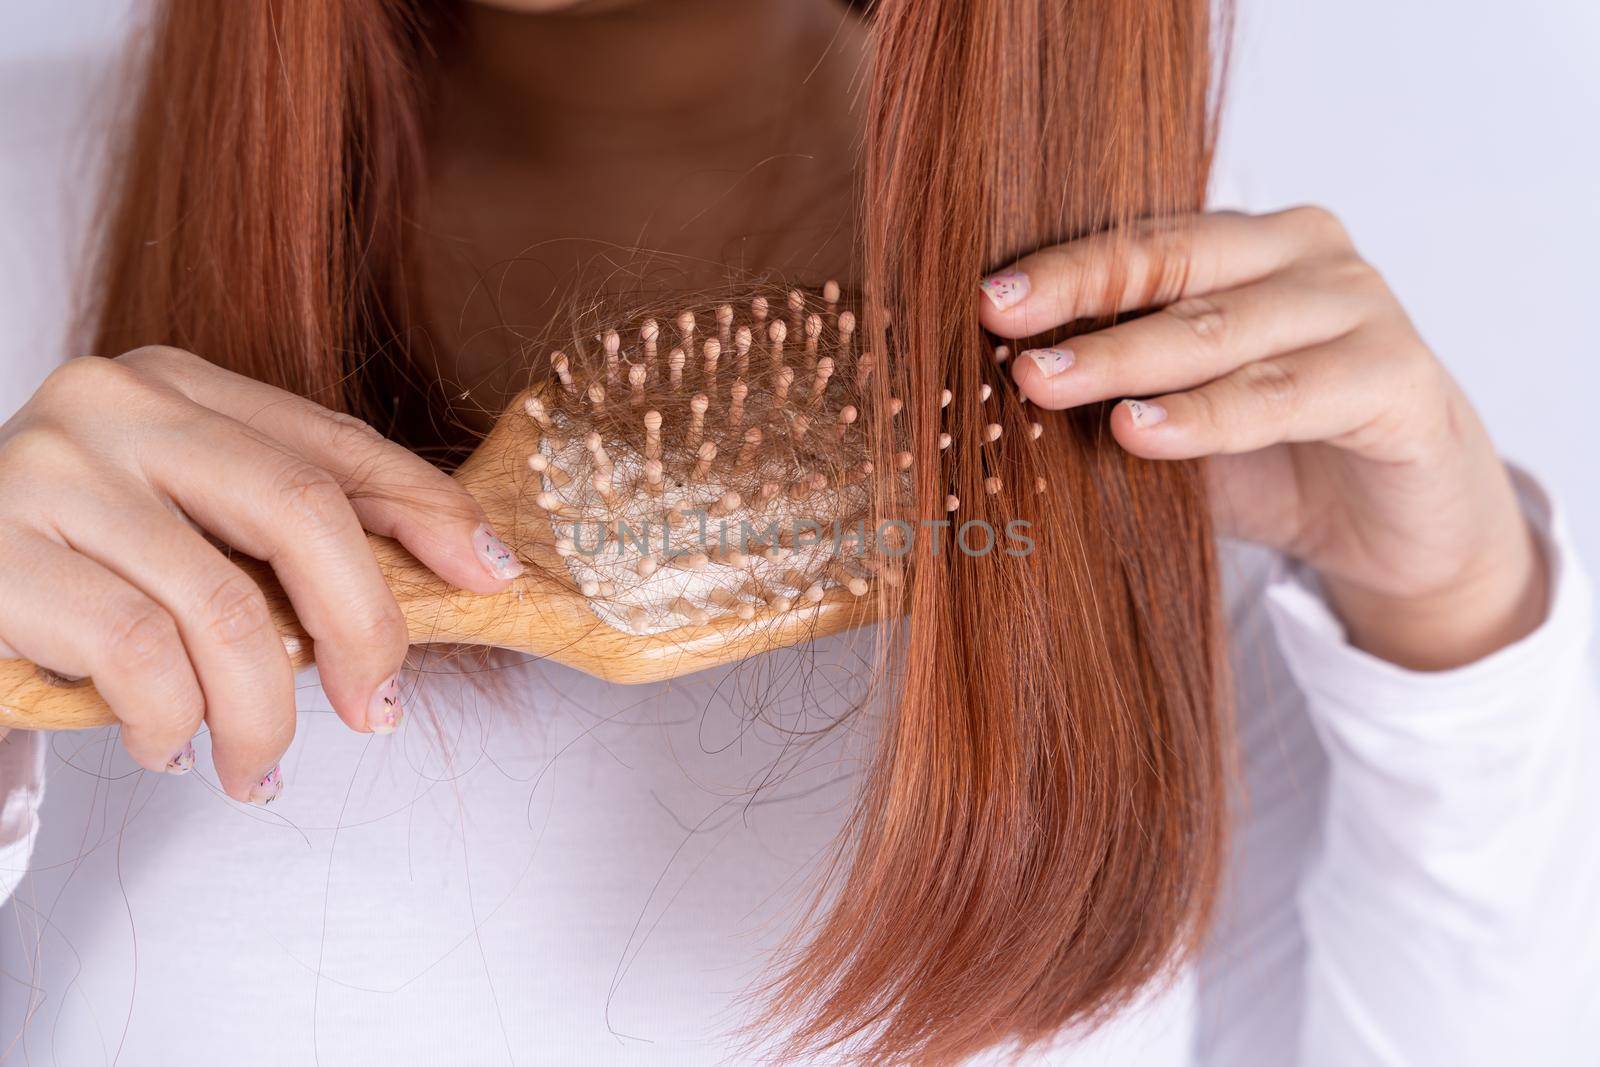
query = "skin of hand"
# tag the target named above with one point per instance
(111, 478)
(1330, 431)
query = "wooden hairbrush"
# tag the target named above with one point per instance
(683, 494)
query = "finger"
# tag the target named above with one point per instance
(70, 615)
(394, 492)
(1149, 265)
(221, 614)
(277, 507)
(1191, 342)
(1325, 393)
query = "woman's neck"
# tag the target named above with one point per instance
(704, 133)
(666, 77)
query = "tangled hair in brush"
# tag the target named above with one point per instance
(1041, 831)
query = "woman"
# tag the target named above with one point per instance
(608, 876)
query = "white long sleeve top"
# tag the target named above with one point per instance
(557, 871)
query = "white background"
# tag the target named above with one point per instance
(1459, 140)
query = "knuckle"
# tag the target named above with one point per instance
(140, 638)
(154, 356)
(39, 450)
(1271, 382)
(236, 613)
(1321, 224)
(175, 366)
(1204, 318)
(1420, 372)
(275, 736)
(346, 434)
(85, 378)
(1354, 274)
(1205, 410)
(384, 629)
(179, 716)
(312, 500)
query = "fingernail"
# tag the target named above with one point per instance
(183, 762)
(1145, 412)
(384, 712)
(266, 791)
(1050, 361)
(1006, 289)
(494, 553)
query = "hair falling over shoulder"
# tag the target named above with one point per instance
(1041, 830)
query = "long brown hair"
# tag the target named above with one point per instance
(1041, 830)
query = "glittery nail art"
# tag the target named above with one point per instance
(1050, 361)
(495, 554)
(183, 762)
(384, 711)
(266, 791)
(1145, 412)
(1006, 289)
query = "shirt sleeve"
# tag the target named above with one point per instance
(21, 790)
(1448, 914)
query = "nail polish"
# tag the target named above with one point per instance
(183, 762)
(266, 791)
(384, 711)
(1145, 412)
(1006, 289)
(1050, 361)
(494, 553)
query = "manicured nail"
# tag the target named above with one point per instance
(494, 553)
(1006, 289)
(1050, 361)
(183, 762)
(1145, 412)
(384, 712)
(266, 791)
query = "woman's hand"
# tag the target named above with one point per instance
(1332, 432)
(107, 477)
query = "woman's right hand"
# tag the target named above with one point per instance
(109, 474)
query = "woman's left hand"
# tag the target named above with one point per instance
(1332, 433)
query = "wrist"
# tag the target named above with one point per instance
(1495, 602)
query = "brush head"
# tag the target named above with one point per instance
(725, 479)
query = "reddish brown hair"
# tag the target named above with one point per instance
(1041, 831)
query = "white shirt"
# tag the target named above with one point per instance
(558, 871)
